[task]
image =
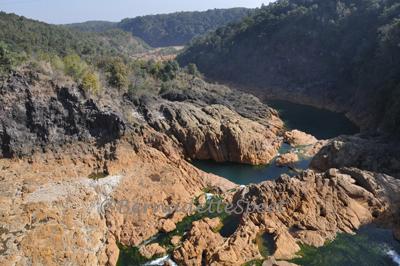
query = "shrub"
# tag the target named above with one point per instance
(169, 71)
(192, 70)
(74, 66)
(7, 59)
(117, 74)
(54, 60)
(91, 82)
(142, 85)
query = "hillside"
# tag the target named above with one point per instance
(30, 36)
(343, 55)
(93, 26)
(169, 29)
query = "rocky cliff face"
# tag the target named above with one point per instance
(56, 141)
(214, 123)
(376, 154)
(206, 121)
(36, 116)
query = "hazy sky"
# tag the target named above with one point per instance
(68, 11)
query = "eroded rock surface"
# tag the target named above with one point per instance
(201, 243)
(152, 250)
(310, 208)
(208, 126)
(54, 137)
(299, 138)
(287, 159)
(375, 154)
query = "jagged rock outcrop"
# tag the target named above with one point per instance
(375, 154)
(36, 116)
(210, 123)
(206, 121)
(152, 250)
(310, 208)
(54, 137)
(202, 241)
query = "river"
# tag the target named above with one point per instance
(370, 246)
(320, 123)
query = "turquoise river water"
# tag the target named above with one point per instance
(371, 246)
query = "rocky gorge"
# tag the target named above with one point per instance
(66, 153)
(273, 140)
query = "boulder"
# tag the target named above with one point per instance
(298, 138)
(175, 240)
(199, 239)
(149, 251)
(286, 246)
(167, 225)
(287, 159)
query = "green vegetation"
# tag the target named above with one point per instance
(179, 28)
(32, 36)
(346, 49)
(131, 255)
(365, 248)
(164, 30)
(74, 66)
(193, 70)
(254, 263)
(91, 82)
(168, 71)
(97, 175)
(93, 26)
(95, 61)
(117, 73)
(7, 59)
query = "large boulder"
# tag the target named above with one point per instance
(287, 159)
(299, 138)
(362, 151)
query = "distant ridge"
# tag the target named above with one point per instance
(93, 26)
(174, 29)
(341, 54)
(23, 34)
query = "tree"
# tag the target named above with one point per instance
(169, 71)
(6, 59)
(192, 70)
(117, 73)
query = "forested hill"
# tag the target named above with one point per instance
(347, 52)
(30, 36)
(93, 26)
(170, 29)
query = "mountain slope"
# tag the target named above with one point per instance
(179, 28)
(168, 29)
(93, 26)
(341, 54)
(22, 34)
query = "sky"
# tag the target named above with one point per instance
(70, 11)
